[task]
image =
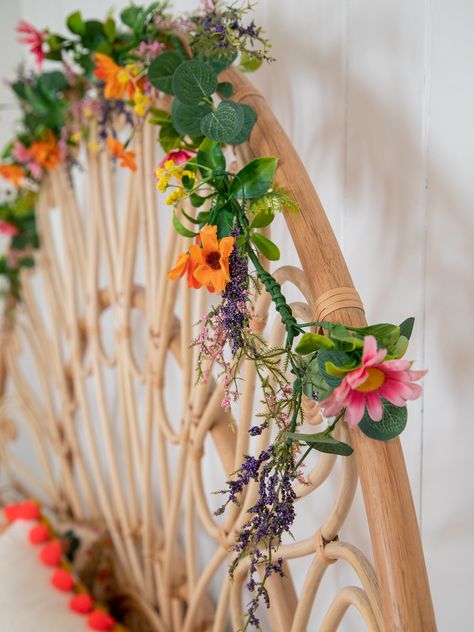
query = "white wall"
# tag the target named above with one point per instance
(378, 98)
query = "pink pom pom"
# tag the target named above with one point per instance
(100, 620)
(29, 510)
(12, 512)
(39, 534)
(51, 553)
(82, 603)
(62, 580)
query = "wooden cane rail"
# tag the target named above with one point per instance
(398, 553)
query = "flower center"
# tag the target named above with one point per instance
(213, 259)
(374, 381)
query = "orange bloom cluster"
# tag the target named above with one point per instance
(120, 81)
(117, 79)
(117, 149)
(12, 173)
(206, 264)
(46, 152)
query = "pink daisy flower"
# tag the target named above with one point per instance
(374, 379)
(178, 156)
(34, 39)
(8, 229)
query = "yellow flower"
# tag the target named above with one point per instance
(163, 179)
(140, 102)
(189, 174)
(94, 147)
(176, 195)
(76, 137)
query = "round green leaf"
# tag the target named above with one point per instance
(193, 81)
(224, 123)
(225, 89)
(266, 246)
(248, 63)
(187, 118)
(390, 426)
(262, 220)
(76, 24)
(249, 121)
(310, 342)
(162, 69)
(254, 179)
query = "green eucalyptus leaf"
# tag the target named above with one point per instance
(162, 69)
(187, 118)
(182, 230)
(254, 179)
(335, 357)
(224, 123)
(390, 426)
(225, 89)
(169, 138)
(322, 442)
(210, 155)
(265, 246)
(219, 62)
(76, 24)
(262, 220)
(203, 216)
(194, 80)
(249, 121)
(309, 343)
(406, 328)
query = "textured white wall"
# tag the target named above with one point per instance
(378, 98)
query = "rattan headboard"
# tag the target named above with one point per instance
(105, 422)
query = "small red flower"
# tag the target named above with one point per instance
(39, 534)
(51, 553)
(82, 603)
(62, 580)
(29, 510)
(100, 620)
(178, 156)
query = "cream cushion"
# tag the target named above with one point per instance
(28, 601)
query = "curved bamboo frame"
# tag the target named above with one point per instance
(158, 568)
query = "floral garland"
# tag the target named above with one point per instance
(353, 374)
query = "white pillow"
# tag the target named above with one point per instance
(28, 601)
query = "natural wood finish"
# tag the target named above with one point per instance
(401, 570)
(130, 460)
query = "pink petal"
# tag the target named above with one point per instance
(417, 375)
(355, 408)
(370, 349)
(357, 377)
(390, 392)
(397, 365)
(374, 406)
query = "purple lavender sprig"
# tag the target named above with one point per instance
(234, 310)
(271, 517)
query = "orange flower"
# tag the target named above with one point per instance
(117, 79)
(212, 259)
(117, 149)
(13, 173)
(46, 152)
(185, 265)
